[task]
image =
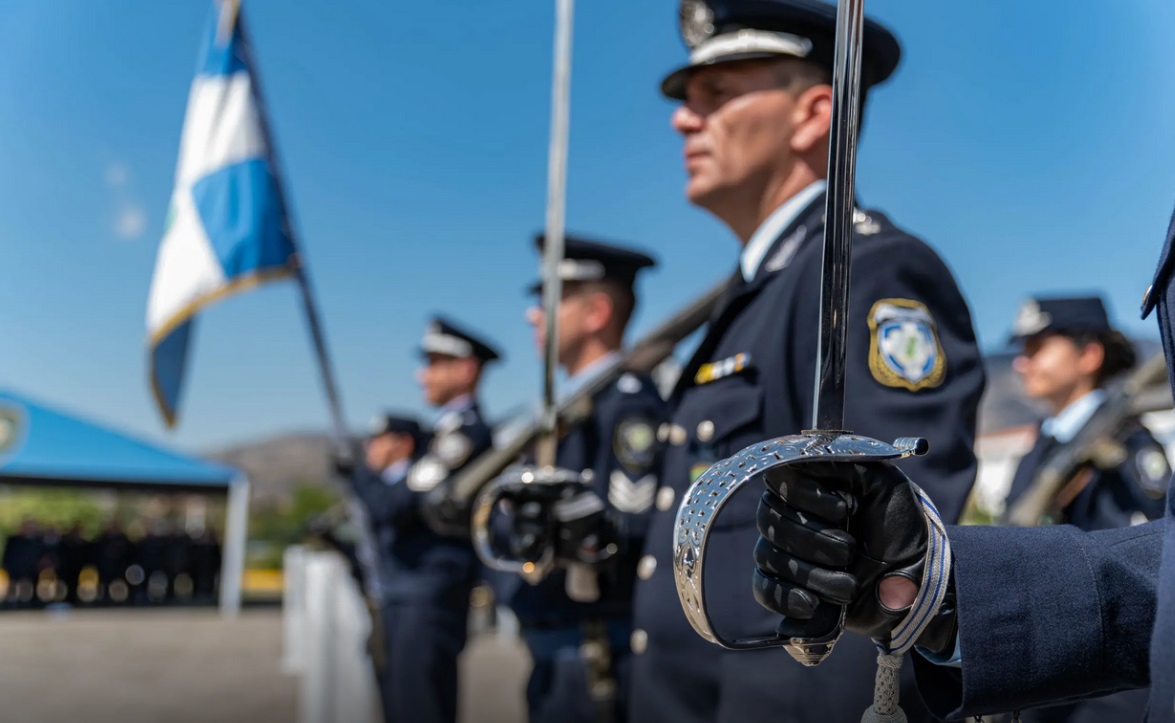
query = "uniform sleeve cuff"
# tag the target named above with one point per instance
(954, 660)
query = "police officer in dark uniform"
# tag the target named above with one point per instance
(616, 450)
(22, 554)
(394, 444)
(429, 577)
(754, 117)
(77, 553)
(114, 553)
(1069, 352)
(1034, 615)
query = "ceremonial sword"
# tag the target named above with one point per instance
(827, 441)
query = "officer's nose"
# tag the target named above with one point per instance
(534, 316)
(685, 120)
(1020, 364)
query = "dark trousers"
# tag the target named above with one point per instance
(693, 681)
(557, 691)
(419, 681)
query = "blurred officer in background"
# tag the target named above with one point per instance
(614, 452)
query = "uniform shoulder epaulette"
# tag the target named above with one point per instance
(629, 384)
(868, 223)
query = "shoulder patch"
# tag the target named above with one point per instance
(425, 474)
(635, 443)
(629, 384)
(904, 349)
(452, 449)
(1154, 472)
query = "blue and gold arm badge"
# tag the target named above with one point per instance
(904, 348)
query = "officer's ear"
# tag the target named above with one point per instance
(1091, 358)
(470, 370)
(811, 120)
(600, 312)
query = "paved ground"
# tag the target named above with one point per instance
(178, 666)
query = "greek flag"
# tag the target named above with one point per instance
(226, 228)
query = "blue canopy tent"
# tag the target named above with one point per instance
(43, 446)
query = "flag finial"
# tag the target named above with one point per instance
(229, 9)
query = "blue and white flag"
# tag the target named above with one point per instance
(226, 228)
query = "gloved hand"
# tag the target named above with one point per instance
(555, 510)
(584, 531)
(835, 534)
(531, 530)
(344, 458)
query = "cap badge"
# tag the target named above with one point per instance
(697, 22)
(1031, 319)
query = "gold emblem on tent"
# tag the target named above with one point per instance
(9, 427)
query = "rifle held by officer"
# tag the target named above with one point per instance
(1100, 442)
(448, 506)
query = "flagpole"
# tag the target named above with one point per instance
(313, 322)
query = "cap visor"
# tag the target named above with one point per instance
(673, 86)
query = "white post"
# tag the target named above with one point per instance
(336, 683)
(316, 688)
(294, 561)
(236, 530)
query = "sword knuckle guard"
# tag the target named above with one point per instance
(539, 484)
(706, 498)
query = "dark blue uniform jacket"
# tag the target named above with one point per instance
(1054, 614)
(417, 565)
(912, 369)
(1112, 497)
(618, 444)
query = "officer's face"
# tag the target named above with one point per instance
(378, 449)
(578, 318)
(739, 125)
(444, 378)
(387, 449)
(1053, 367)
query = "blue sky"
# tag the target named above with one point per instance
(1029, 142)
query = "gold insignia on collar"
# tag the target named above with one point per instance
(904, 349)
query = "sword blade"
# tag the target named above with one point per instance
(553, 248)
(829, 406)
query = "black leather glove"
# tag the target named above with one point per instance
(584, 532)
(345, 458)
(830, 533)
(556, 511)
(531, 531)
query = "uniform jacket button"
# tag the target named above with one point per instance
(705, 430)
(646, 567)
(639, 642)
(665, 498)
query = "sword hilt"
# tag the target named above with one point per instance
(709, 495)
(544, 485)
